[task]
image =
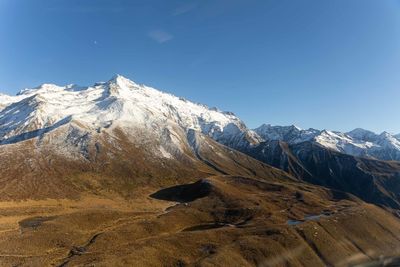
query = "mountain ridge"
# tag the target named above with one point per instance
(358, 142)
(120, 99)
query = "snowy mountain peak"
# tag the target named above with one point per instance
(291, 134)
(389, 141)
(360, 131)
(121, 81)
(118, 101)
(43, 88)
(266, 129)
(362, 134)
(48, 86)
(385, 134)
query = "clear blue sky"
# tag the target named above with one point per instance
(331, 64)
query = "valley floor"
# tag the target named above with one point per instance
(218, 221)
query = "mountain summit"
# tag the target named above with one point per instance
(117, 102)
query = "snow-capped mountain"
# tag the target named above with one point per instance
(116, 103)
(6, 100)
(289, 134)
(358, 142)
(147, 114)
(362, 134)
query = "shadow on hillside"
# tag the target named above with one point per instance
(184, 193)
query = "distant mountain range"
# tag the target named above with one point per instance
(359, 142)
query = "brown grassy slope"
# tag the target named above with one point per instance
(235, 221)
(372, 180)
(243, 222)
(113, 164)
(99, 211)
